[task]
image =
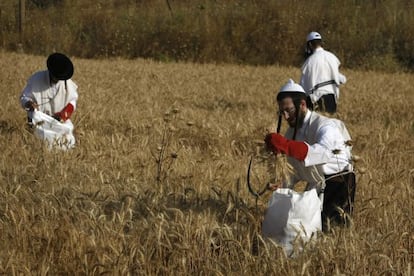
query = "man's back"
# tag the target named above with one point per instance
(321, 66)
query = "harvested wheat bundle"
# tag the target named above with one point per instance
(276, 167)
(280, 172)
(283, 169)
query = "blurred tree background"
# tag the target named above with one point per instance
(372, 34)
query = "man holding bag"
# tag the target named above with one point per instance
(52, 93)
(319, 150)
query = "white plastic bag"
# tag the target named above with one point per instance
(56, 134)
(291, 215)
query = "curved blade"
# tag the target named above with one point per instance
(256, 194)
(248, 178)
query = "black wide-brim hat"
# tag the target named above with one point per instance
(60, 66)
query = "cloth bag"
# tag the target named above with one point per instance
(291, 215)
(56, 134)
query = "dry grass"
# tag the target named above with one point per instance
(110, 207)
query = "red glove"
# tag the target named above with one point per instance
(279, 144)
(65, 113)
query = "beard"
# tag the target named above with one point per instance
(300, 119)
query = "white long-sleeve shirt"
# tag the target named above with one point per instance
(51, 98)
(328, 152)
(320, 67)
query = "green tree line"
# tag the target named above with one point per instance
(372, 34)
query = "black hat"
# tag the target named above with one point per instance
(60, 66)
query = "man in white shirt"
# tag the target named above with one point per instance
(52, 91)
(320, 76)
(319, 150)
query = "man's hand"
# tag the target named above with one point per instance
(57, 117)
(30, 106)
(276, 143)
(273, 187)
(279, 144)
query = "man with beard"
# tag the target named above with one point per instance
(319, 150)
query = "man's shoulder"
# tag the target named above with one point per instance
(326, 124)
(309, 63)
(40, 75)
(315, 58)
(70, 84)
(322, 120)
(328, 54)
(39, 81)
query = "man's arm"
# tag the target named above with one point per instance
(27, 101)
(68, 110)
(329, 139)
(65, 114)
(279, 144)
(342, 78)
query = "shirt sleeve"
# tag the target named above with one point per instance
(329, 139)
(342, 78)
(27, 94)
(73, 93)
(305, 79)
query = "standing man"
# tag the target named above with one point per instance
(318, 149)
(52, 91)
(320, 76)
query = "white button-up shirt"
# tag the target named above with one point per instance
(51, 98)
(320, 67)
(328, 152)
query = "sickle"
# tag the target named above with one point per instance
(254, 193)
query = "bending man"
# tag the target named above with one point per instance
(52, 91)
(318, 149)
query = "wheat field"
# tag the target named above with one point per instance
(157, 182)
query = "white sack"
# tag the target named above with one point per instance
(56, 134)
(291, 214)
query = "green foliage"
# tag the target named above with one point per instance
(363, 34)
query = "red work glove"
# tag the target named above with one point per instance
(279, 144)
(65, 113)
